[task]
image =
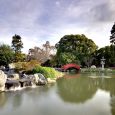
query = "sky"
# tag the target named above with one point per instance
(38, 21)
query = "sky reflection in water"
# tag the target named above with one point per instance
(80, 95)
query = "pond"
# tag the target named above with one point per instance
(80, 94)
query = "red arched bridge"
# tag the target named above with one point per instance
(70, 66)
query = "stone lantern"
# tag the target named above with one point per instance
(103, 62)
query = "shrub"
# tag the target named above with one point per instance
(26, 66)
(46, 71)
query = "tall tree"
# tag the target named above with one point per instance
(112, 40)
(17, 46)
(79, 47)
(112, 37)
(107, 52)
(17, 43)
(6, 54)
(41, 54)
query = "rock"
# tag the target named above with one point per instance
(10, 71)
(2, 67)
(12, 66)
(93, 66)
(14, 76)
(36, 79)
(3, 78)
(40, 79)
(25, 82)
(29, 79)
(51, 80)
(12, 84)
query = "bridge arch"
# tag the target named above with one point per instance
(70, 66)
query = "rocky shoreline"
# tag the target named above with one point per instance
(15, 81)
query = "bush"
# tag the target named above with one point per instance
(26, 66)
(46, 71)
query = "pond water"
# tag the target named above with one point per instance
(81, 94)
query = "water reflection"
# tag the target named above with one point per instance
(83, 88)
(113, 105)
(86, 94)
(76, 89)
(3, 99)
(15, 99)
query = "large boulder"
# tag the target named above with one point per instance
(3, 78)
(12, 84)
(36, 79)
(28, 80)
(24, 82)
(40, 79)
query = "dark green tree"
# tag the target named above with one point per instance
(6, 54)
(78, 47)
(17, 43)
(17, 46)
(107, 52)
(112, 37)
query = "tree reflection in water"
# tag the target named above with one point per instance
(77, 92)
(79, 89)
(76, 89)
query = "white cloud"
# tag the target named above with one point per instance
(38, 21)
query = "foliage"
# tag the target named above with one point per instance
(20, 57)
(46, 71)
(67, 57)
(17, 43)
(108, 54)
(47, 63)
(25, 66)
(41, 54)
(112, 37)
(54, 61)
(51, 62)
(17, 46)
(74, 48)
(6, 54)
(112, 41)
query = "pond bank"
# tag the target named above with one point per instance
(17, 81)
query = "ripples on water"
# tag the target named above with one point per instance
(86, 94)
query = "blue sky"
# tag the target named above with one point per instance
(37, 21)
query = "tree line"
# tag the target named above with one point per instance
(9, 54)
(70, 49)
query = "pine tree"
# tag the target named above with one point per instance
(17, 46)
(17, 43)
